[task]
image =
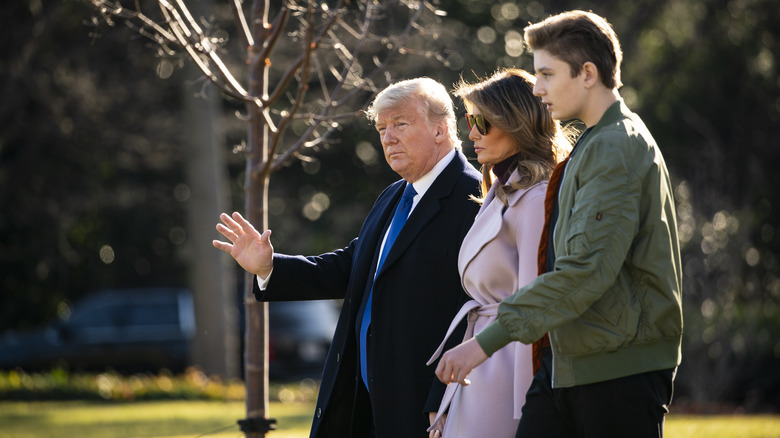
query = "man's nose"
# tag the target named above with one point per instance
(388, 136)
(538, 89)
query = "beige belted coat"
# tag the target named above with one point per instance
(497, 257)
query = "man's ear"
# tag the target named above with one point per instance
(590, 74)
(441, 132)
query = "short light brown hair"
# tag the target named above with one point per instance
(577, 37)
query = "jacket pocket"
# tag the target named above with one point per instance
(577, 225)
(590, 227)
(610, 323)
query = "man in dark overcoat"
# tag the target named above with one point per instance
(375, 382)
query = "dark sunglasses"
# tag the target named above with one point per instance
(478, 121)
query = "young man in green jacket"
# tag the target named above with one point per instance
(610, 295)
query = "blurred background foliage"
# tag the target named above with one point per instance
(93, 191)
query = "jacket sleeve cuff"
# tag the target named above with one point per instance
(493, 338)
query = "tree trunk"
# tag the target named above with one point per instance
(255, 335)
(256, 202)
(215, 346)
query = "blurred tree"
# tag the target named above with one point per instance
(82, 171)
(215, 347)
(712, 94)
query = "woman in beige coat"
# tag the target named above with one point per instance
(518, 145)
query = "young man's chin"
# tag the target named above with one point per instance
(561, 117)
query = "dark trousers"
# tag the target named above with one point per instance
(632, 406)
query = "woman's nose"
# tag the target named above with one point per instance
(474, 133)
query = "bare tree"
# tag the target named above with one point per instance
(310, 67)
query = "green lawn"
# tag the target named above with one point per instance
(216, 419)
(723, 426)
(207, 419)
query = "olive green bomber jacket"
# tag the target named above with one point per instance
(613, 303)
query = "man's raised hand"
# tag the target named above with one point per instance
(252, 250)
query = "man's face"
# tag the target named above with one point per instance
(411, 144)
(563, 95)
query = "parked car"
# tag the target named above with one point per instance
(137, 330)
(127, 330)
(300, 334)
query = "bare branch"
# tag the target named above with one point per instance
(332, 102)
(312, 43)
(321, 26)
(276, 29)
(190, 36)
(225, 72)
(321, 78)
(381, 65)
(316, 118)
(240, 20)
(193, 24)
(110, 9)
(303, 84)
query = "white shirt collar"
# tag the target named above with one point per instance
(426, 181)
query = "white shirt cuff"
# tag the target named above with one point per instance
(262, 283)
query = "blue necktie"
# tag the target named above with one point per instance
(399, 219)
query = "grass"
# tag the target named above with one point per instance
(723, 426)
(217, 419)
(107, 405)
(58, 404)
(179, 419)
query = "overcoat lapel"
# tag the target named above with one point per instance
(487, 225)
(426, 209)
(485, 229)
(375, 230)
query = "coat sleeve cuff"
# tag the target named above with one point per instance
(493, 338)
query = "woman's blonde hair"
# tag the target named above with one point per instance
(507, 102)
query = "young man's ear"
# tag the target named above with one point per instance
(591, 74)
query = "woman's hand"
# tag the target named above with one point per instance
(436, 433)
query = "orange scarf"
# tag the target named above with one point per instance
(550, 198)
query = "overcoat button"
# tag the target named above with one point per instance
(319, 412)
(338, 357)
